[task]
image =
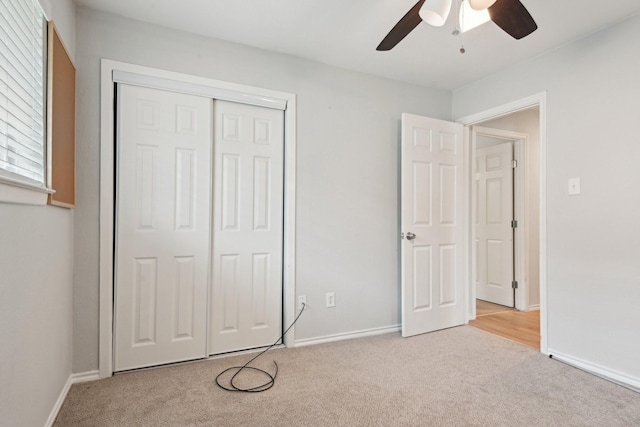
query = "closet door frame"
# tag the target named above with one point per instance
(113, 72)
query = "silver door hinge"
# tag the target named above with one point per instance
(514, 164)
(514, 224)
(514, 284)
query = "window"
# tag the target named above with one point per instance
(22, 93)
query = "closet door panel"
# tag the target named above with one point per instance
(247, 227)
(162, 227)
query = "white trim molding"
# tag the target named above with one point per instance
(113, 71)
(85, 377)
(73, 379)
(22, 193)
(193, 86)
(598, 370)
(348, 335)
(56, 407)
(505, 109)
(538, 100)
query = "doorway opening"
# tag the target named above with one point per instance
(522, 317)
(501, 213)
(496, 202)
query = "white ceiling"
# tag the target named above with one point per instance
(345, 33)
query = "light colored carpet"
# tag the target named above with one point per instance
(456, 377)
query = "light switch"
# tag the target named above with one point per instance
(574, 186)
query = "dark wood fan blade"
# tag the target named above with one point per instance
(513, 18)
(402, 28)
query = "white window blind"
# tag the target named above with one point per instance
(22, 71)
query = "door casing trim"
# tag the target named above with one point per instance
(107, 187)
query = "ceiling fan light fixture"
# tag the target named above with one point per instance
(470, 18)
(481, 4)
(435, 12)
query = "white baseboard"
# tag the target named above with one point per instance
(59, 402)
(347, 336)
(619, 378)
(534, 307)
(84, 377)
(73, 379)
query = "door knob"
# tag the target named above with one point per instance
(410, 236)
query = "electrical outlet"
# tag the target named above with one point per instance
(302, 300)
(331, 299)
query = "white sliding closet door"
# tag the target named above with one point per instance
(162, 227)
(246, 304)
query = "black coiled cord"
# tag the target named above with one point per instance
(271, 377)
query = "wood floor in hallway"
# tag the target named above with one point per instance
(519, 326)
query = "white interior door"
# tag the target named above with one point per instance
(432, 221)
(247, 228)
(494, 232)
(162, 227)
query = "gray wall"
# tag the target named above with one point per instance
(348, 129)
(593, 254)
(36, 278)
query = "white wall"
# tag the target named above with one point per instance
(528, 122)
(35, 311)
(62, 13)
(593, 255)
(347, 198)
(36, 277)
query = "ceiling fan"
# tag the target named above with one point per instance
(510, 15)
